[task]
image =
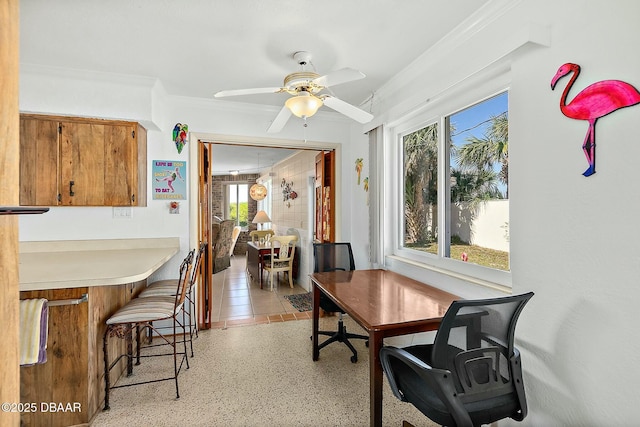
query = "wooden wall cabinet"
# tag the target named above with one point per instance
(325, 189)
(68, 161)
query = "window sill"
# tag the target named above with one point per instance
(453, 274)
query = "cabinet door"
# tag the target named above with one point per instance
(139, 167)
(120, 168)
(38, 162)
(82, 164)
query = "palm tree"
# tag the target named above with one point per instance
(420, 188)
(482, 153)
(474, 187)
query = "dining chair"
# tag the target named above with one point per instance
(140, 313)
(256, 235)
(335, 257)
(167, 287)
(283, 249)
(472, 373)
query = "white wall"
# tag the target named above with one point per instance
(572, 238)
(355, 216)
(112, 97)
(296, 213)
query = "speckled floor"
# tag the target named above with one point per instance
(259, 375)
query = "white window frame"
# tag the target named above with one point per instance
(436, 111)
(266, 203)
(227, 200)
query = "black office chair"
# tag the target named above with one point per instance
(471, 374)
(332, 257)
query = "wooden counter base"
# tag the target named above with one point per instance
(74, 371)
(111, 273)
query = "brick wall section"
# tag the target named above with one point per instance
(217, 203)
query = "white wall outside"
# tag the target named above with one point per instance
(486, 224)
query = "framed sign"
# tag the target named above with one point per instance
(168, 179)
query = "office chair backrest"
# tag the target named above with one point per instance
(475, 342)
(332, 257)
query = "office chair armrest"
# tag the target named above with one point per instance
(439, 380)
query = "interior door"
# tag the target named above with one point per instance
(204, 231)
(324, 198)
(318, 186)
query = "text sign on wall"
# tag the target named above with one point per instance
(168, 180)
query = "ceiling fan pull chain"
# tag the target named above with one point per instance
(304, 127)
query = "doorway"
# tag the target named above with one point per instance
(201, 203)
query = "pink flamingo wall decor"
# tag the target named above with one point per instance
(594, 101)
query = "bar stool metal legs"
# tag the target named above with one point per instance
(141, 313)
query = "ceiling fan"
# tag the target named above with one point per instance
(305, 86)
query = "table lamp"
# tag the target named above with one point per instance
(260, 218)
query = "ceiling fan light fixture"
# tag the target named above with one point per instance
(304, 104)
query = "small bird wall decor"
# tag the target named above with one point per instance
(180, 136)
(593, 102)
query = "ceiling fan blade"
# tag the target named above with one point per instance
(280, 120)
(254, 91)
(337, 77)
(347, 109)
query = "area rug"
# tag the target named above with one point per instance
(301, 302)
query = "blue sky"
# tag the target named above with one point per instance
(474, 121)
(465, 121)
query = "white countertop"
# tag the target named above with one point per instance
(82, 263)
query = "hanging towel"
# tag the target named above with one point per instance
(34, 326)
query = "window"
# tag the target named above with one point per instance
(237, 204)
(454, 188)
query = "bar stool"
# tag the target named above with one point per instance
(141, 313)
(167, 287)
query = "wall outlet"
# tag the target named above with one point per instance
(122, 212)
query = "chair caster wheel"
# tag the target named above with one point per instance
(354, 359)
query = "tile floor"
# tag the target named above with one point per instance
(238, 300)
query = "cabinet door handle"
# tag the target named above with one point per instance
(71, 193)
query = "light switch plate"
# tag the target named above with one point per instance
(122, 212)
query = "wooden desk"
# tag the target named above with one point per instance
(255, 256)
(385, 304)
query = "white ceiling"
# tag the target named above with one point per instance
(199, 47)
